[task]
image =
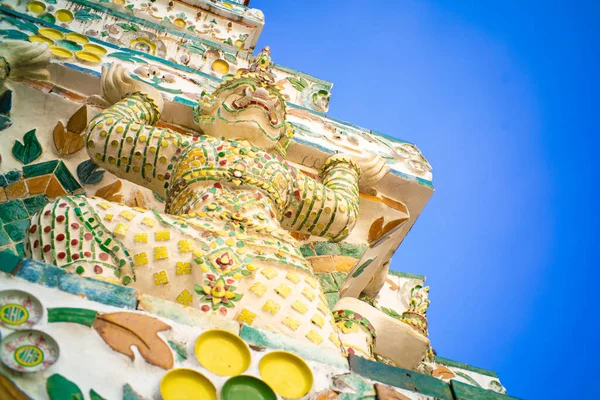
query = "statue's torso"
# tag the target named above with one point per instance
(215, 176)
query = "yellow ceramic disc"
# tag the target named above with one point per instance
(50, 33)
(60, 52)
(77, 38)
(186, 384)
(222, 352)
(179, 22)
(36, 38)
(220, 66)
(36, 7)
(119, 2)
(286, 374)
(64, 15)
(94, 48)
(88, 57)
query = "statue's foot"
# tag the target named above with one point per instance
(394, 339)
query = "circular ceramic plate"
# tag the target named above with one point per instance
(28, 351)
(245, 387)
(36, 38)
(64, 15)
(222, 353)
(47, 17)
(60, 52)
(50, 33)
(36, 7)
(77, 37)
(286, 373)
(94, 48)
(88, 57)
(184, 384)
(220, 66)
(19, 310)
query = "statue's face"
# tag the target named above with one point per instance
(245, 109)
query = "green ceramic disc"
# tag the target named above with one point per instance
(245, 387)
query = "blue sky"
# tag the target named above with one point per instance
(500, 97)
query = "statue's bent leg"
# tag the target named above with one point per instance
(288, 300)
(95, 238)
(174, 258)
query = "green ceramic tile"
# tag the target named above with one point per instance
(102, 292)
(462, 391)
(16, 230)
(67, 180)
(37, 272)
(277, 341)
(39, 169)
(307, 250)
(401, 378)
(332, 298)
(327, 283)
(20, 248)
(339, 278)
(12, 176)
(13, 211)
(456, 364)
(327, 249)
(3, 181)
(407, 275)
(130, 394)
(8, 261)
(34, 204)
(4, 239)
(352, 250)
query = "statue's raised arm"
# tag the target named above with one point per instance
(330, 208)
(124, 139)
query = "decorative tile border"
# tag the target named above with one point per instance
(271, 340)
(400, 378)
(456, 364)
(462, 391)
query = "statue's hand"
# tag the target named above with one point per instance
(117, 83)
(372, 168)
(25, 59)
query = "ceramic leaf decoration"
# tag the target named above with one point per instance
(69, 140)
(29, 150)
(60, 388)
(85, 15)
(66, 142)
(109, 192)
(13, 34)
(378, 230)
(375, 230)
(5, 107)
(298, 84)
(78, 121)
(443, 373)
(130, 394)
(10, 391)
(121, 330)
(95, 396)
(88, 173)
(362, 267)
